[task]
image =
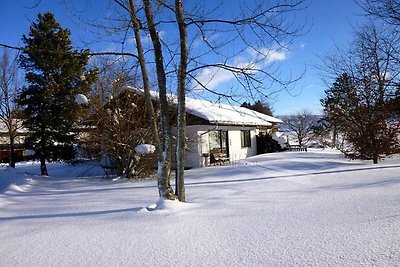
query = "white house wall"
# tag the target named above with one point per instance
(192, 153)
(236, 151)
(198, 144)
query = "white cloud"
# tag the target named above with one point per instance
(268, 55)
(274, 55)
(250, 63)
(212, 77)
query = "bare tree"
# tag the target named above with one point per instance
(302, 125)
(162, 89)
(181, 124)
(164, 146)
(387, 10)
(9, 83)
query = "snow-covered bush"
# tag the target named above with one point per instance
(145, 149)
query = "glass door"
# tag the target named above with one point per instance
(219, 142)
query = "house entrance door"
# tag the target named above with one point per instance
(219, 142)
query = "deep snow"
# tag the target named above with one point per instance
(281, 209)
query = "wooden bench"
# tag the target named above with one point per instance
(218, 157)
(297, 148)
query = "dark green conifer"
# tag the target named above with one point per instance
(55, 74)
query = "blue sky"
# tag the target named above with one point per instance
(330, 24)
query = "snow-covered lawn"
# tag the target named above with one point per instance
(285, 209)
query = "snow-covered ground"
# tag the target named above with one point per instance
(284, 209)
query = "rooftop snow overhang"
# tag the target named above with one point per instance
(222, 114)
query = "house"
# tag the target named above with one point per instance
(20, 153)
(221, 132)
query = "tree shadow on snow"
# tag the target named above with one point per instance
(241, 180)
(67, 215)
(49, 191)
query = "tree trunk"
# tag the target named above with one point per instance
(375, 158)
(375, 153)
(12, 149)
(334, 138)
(146, 83)
(181, 138)
(163, 170)
(42, 156)
(43, 168)
(164, 164)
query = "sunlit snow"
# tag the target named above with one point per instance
(81, 99)
(313, 208)
(145, 149)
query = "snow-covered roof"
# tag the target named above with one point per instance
(217, 113)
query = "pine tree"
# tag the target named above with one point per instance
(55, 74)
(259, 107)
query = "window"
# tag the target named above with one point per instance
(245, 138)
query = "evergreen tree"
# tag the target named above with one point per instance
(367, 125)
(266, 144)
(396, 101)
(259, 107)
(340, 101)
(55, 74)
